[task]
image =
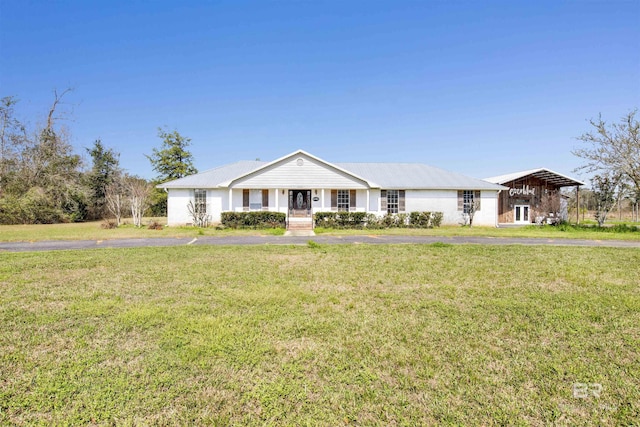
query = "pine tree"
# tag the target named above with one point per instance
(105, 167)
(171, 161)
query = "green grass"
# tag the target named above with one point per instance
(320, 335)
(93, 231)
(619, 232)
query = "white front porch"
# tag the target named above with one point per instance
(278, 200)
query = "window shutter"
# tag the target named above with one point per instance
(352, 200)
(334, 200)
(265, 199)
(477, 199)
(383, 200)
(460, 200)
(401, 203)
(245, 199)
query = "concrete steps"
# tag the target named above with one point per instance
(300, 224)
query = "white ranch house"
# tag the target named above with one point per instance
(301, 184)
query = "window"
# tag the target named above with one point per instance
(392, 201)
(343, 200)
(467, 199)
(255, 200)
(200, 201)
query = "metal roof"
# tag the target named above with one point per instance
(416, 176)
(212, 178)
(547, 175)
(412, 176)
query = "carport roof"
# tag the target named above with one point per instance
(551, 177)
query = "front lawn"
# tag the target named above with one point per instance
(619, 232)
(94, 231)
(321, 335)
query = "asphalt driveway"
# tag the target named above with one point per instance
(54, 245)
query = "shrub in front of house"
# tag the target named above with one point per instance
(359, 220)
(420, 219)
(257, 219)
(436, 219)
(352, 220)
(425, 219)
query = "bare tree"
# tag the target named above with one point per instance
(139, 192)
(49, 164)
(614, 150)
(198, 213)
(39, 171)
(116, 198)
(469, 212)
(57, 100)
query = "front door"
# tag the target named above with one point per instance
(521, 214)
(299, 202)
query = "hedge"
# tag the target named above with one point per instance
(368, 220)
(344, 220)
(257, 219)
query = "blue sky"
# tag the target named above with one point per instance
(481, 88)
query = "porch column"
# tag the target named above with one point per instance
(277, 205)
(366, 208)
(577, 204)
(498, 201)
(230, 199)
(322, 200)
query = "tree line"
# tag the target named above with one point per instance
(43, 181)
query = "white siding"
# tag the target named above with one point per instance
(446, 201)
(311, 174)
(488, 213)
(236, 201)
(215, 200)
(177, 212)
(282, 199)
(374, 201)
(361, 200)
(178, 200)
